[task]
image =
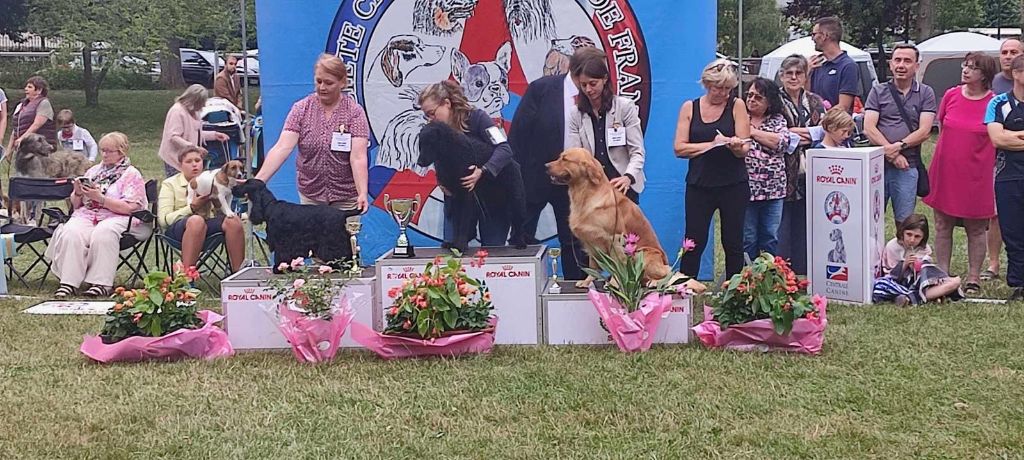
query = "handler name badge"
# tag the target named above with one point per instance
(617, 136)
(341, 141)
(496, 135)
(77, 144)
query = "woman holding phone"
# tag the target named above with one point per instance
(85, 248)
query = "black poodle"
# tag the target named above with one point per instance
(296, 230)
(452, 153)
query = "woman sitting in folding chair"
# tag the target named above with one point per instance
(177, 217)
(86, 247)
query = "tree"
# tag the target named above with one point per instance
(94, 31)
(1002, 13)
(764, 27)
(12, 17)
(925, 20)
(958, 14)
(169, 26)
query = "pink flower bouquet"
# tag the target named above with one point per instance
(309, 316)
(449, 344)
(633, 330)
(806, 335)
(207, 342)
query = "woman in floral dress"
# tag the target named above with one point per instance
(766, 168)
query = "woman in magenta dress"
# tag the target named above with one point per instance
(961, 173)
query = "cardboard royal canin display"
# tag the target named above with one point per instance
(845, 221)
(251, 312)
(514, 277)
(571, 319)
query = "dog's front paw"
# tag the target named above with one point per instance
(585, 282)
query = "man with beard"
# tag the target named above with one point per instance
(834, 75)
(898, 116)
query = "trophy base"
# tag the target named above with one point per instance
(406, 252)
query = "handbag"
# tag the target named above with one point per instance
(923, 186)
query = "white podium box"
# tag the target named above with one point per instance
(571, 319)
(248, 305)
(514, 277)
(845, 221)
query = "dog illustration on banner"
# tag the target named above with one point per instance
(526, 19)
(557, 60)
(838, 254)
(492, 48)
(486, 87)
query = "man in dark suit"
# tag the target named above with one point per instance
(537, 136)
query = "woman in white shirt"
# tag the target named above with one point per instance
(607, 125)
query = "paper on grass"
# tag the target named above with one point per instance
(70, 307)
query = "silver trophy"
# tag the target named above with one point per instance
(553, 254)
(402, 210)
(353, 225)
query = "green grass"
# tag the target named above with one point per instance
(942, 381)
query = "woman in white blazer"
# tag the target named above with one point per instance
(607, 125)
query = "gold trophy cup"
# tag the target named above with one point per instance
(402, 210)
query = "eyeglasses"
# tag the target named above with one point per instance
(972, 67)
(793, 73)
(718, 68)
(755, 97)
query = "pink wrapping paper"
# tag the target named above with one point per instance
(807, 335)
(392, 346)
(314, 340)
(207, 342)
(634, 331)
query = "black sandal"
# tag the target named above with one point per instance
(64, 291)
(98, 291)
(971, 288)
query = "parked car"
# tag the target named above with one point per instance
(198, 66)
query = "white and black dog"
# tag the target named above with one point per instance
(403, 54)
(298, 230)
(217, 184)
(485, 83)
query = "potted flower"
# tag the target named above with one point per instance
(765, 307)
(312, 311)
(441, 312)
(158, 321)
(630, 307)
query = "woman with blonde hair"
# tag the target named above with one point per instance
(332, 134)
(183, 129)
(713, 134)
(86, 247)
(446, 103)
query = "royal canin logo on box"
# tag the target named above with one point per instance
(836, 170)
(408, 269)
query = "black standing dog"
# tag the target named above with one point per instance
(452, 153)
(296, 230)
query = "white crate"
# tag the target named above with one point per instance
(248, 306)
(571, 319)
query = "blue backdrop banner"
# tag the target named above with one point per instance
(493, 48)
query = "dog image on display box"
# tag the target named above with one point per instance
(481, 181)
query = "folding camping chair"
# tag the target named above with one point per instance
(133, 249)
(30, 234)
(213, 259)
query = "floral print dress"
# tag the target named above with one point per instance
(766, 164)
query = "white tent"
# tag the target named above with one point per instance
(771, 62)
(942, 55)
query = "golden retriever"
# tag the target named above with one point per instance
(598, 213)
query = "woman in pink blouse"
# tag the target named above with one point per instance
(183, 129)
(332, 134)
(961, 173)
(86, 247)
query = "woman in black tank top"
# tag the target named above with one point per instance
(713, 134)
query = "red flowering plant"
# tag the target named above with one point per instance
(765, 289)
(623, 272)
(163, 305)
(443, 298)
(310, 289)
